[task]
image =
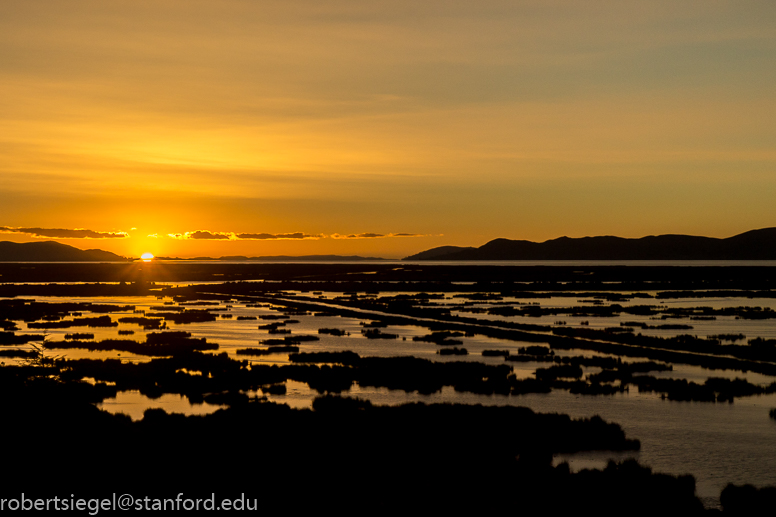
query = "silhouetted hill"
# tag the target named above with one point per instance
(752, 245)
(50, 251)
(438, 253)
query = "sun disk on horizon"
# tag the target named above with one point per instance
(146, 256)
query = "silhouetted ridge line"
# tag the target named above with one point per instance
(50, 251)
(752, 245)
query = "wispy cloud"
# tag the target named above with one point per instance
(82, 233)
(64, 233)
(278, 236)
(206, 235)
(232, 236)
(369, 235)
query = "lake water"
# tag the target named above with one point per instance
(718, 443)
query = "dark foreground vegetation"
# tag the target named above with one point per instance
(495, 455)
(455, 457)
(156, 344)
(748, 500)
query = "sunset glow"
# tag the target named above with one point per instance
(456, 123)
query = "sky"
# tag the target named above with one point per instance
(382, 128)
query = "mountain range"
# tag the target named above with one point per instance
(50, 251)
(751, 245)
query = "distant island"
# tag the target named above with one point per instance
(751, 245)
(50, 251)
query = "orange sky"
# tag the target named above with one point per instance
(449, 122)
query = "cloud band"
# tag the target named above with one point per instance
(64, 233)
(232, 236)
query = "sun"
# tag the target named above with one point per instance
(147, 257)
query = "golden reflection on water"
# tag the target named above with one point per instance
(133, 404)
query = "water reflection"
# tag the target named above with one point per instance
(133, 404)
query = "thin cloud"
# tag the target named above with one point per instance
(368, 235)
(277, 236)
(202, 235)
(205, 235)
(64, 233)
(232, 236)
